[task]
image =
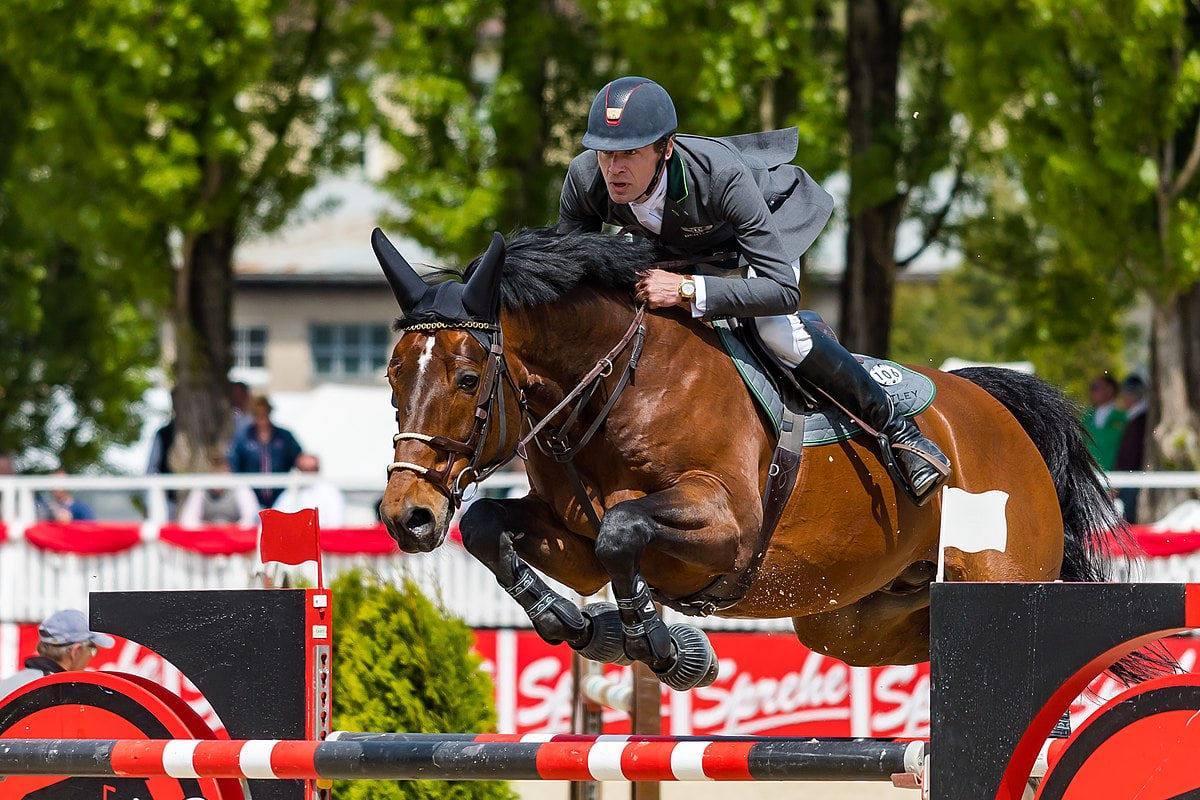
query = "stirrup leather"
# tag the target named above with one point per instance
(887, 454)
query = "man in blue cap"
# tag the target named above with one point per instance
(741, 198)
(64, 644)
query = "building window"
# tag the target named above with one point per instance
(348, 351)
(250, 346)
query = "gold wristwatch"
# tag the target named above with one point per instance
(687, 288)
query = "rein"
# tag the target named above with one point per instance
(491, 399)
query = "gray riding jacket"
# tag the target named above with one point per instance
(738, 194)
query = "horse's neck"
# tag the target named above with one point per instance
(559, 342)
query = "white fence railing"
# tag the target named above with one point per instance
(1154, 480)
(18, 493)
(34, 582)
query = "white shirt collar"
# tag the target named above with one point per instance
(650, 213)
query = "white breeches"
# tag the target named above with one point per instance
(786, 335)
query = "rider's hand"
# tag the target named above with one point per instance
(659, 289)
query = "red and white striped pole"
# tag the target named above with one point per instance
(470, 757)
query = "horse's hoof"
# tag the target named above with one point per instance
(695, 661)
(607, 644)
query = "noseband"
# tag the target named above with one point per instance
(491, 398)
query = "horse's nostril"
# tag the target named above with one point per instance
(419, 518)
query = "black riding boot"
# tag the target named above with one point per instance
(832, 368)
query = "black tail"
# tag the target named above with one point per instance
(1090, 521)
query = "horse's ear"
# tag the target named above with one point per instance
(481, 294)
(405, 282)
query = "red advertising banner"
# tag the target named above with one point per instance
(769, 685)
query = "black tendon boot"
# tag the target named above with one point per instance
(832, 368)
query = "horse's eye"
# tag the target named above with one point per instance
(468, 381)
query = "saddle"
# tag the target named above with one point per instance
(800, 416)
(798, 413)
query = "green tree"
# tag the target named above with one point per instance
(74, 346)
(162, 133)
(901, 137)
(487, 93)
(1091, 111)
(402, 664)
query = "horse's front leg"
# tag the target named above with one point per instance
(693, 523)
(507, 536)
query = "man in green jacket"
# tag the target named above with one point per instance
(1104, 421)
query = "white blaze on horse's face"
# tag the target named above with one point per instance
(434, 380)
(426, 357)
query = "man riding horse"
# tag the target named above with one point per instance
(539, 353)
(739, 202)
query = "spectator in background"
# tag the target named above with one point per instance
(236, 505)
(160, 449)
(160, 455)
(263, 446)
(7, 467)
(64, 644)
(323, 496)
(1131, 450)
(61, 506)
(1104, 421)
(239, 403)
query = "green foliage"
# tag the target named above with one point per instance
(74, 346)
(159, 134)
(488, 93)
(1090, 110)
(402, 664)
(975, 314)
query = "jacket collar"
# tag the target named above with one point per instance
(677, 182)
(680, 208)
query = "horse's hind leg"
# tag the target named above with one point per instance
(507, 536)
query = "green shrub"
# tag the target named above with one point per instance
(402, 664)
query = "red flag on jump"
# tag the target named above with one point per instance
(290, 538)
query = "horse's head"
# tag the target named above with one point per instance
(456, 405)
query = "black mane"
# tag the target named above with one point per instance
(541, 265)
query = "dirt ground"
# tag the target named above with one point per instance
(557, 790)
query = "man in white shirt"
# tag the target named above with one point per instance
(323, 496)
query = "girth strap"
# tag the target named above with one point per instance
(729, 589)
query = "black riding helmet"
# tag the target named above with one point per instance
(629, 113)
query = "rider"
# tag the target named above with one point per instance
(700, 196)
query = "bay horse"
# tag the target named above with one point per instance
(672, 454)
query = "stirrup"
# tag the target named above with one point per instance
(888, 456)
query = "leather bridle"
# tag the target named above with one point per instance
(491, 399)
